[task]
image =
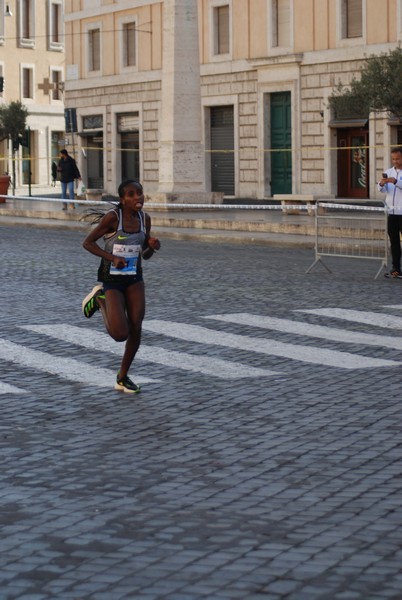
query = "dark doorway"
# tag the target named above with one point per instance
(222, 150)
(130, 155)
(95, 160)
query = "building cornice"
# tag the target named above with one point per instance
(122, 79)
(352, 53)
(108, 9)
(281, 59)
(224, 67)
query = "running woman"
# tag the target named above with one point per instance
(120, 297)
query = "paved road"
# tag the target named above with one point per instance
(262, 459)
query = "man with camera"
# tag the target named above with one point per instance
(391, 185)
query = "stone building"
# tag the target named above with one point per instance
(32, 71)
(229, 96)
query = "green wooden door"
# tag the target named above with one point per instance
(281, 139)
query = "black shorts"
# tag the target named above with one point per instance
(123, 284)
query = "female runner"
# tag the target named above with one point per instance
(120, 297)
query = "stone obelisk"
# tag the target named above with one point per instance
(181, 153)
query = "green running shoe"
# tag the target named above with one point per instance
(89, 304)
(126, 385)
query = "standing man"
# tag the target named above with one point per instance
(391, 185)
(68, 174)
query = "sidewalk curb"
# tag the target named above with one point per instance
(264, 233)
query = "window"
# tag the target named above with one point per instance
(57, 143)
(26, 23)
(55, 19)
(92, 122)
(221, 29)
(1, 80)
(56, 80)
(129, 45)
(352, 18)
(281, 23)
(94, 50)
(27, 77)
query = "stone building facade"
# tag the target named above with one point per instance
(197, 97)
(32, 71)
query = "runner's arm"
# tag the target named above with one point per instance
(151, 243)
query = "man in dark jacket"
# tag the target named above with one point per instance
(69, 172)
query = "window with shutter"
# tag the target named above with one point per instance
(26, 19)
(27, 82)
(221, 27)
(55, 25)
(129, 44)
(56, 81)
(55, 22)
(352, 18)
(281, 23)
(94, 49)
(26, 23)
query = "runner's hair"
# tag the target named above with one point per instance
(95, 214)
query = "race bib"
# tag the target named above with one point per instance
(130, 253)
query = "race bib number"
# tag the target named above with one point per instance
(131, 254)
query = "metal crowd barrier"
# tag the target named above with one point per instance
(350, 231)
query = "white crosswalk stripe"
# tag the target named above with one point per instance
(66, 368)
(6, 388)
(367, 318)
(206, 365)
(304, 353)
(198, 360)
(311, 330)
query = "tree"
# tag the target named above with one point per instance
(349, 102)
(13, 119)
(378, 89)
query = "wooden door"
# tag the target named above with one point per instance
(353, 163)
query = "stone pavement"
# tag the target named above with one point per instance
(283, 484)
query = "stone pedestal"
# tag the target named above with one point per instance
(94, 194)
(186, 198)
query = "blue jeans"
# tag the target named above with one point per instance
(70, 186)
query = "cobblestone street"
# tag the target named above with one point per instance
(262, 458)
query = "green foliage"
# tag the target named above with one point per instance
(378, 89)
(13, 118)
(349, 103)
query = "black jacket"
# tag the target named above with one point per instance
(68, 170)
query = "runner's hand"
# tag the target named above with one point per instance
(154, 243)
